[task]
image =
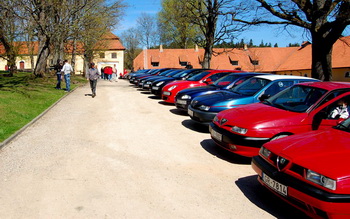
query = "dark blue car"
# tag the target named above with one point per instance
(204, 108)
(184, 97)
(157, 85)
(145, 83)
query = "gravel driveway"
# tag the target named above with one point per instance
(125, 154)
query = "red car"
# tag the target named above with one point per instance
(204, 78)
(309, 171)
(300, 108)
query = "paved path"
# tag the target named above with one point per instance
(123, 154)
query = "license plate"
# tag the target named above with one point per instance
(274, 185)
(155, 88)
(190, 112)
(166, 93)
(181, 102)
(215, 134)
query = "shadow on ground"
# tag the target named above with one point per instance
(178, 112)
(154, 97)
(264, 199)
(210, 146)
(165, 103)
(195, 126)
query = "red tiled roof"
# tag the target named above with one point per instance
(109, 42)
(270, 59)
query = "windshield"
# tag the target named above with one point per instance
(297, 98)
(251, 86)
(182, 73)
(345, 125)
(228, 79)
(198, 77)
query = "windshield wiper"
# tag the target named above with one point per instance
(341, 126)
(280, 106)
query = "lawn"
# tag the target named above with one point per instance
(23, 97)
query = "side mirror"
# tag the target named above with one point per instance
(264, 97)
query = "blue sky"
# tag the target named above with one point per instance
(269, 34)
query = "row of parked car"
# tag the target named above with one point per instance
(295, 128)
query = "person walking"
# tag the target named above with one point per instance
(92, 75)
(66, 70)
(58, 68)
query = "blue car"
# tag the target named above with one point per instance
(184, 97)
(204, 108)
(157, 85)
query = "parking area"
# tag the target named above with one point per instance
(126, 154)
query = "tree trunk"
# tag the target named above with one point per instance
(43, 54)
(74, 51)
(321, 57)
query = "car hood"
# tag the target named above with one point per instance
(326, 152)
(194, 90)
(259, 116)
(217, 97)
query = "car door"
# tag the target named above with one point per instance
(322, 115)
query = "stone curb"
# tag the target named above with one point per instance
(13, 136)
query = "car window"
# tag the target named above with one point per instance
(277, 86)
(215, 77)
(223, 81)
(297, 98)
(199, 76)
(251, 86)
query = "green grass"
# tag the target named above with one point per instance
(23, 97)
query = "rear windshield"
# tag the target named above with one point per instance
(251, 86)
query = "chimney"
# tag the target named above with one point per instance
(161, 48)
(245, 47)
(196, 48)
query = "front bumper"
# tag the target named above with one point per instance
(201, 116)
(313, 201)
(182, 104)
(238, 144)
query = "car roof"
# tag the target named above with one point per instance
(279, 77)
(327, 85)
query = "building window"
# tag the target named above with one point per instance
(114, 55)
(234, 62)
(102, 55)
(255, 62)
(347, 74)
(155, 64)
(183, 63)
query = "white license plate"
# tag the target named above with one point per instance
(155, 88)
(274, 185)
(166, 93)
(190, 112)
(215, 134)
(181, 101)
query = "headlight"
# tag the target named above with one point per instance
(159, 83)
(186, 97)
(204, 108)
(172, 87)
(216, 119)
(239, 130)
(321, 180)
(265, 152)
(148, 82)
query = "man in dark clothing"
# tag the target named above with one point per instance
(189, 66)
(92, 74)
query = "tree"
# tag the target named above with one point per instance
(175, 29)
(213, 18)
(131, 42)
(9, 32)
(147, 30)
(324, 19)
